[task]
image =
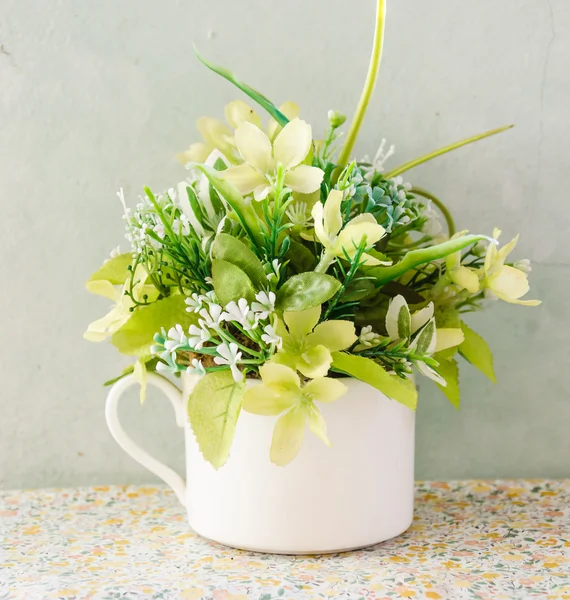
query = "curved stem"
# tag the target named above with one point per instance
(443, 209)
(375, 59)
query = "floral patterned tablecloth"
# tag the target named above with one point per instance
(470, 539)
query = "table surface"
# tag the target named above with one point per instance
(469, 539)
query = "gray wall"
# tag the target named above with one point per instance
(99, 95)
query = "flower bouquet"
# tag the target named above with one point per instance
(282, 266)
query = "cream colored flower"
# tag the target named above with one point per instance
(338, 240)
(264, 158)
(459, 274)
(506, 282)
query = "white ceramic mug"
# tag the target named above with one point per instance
(354, 494)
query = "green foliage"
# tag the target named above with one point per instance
(230, 282)
(233, 250)
(475, 349)
(300, 257)
(213, 410)
(246, 89)
(113, 272)
(306, 290)
(135, 337)
(370, 372)
(449, 371)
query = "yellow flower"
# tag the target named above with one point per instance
(338, 240)
(281, 392)
(506, 282)
(263, 159)
(306, 346)
(462, 276)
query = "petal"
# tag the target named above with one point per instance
(334, 335)
(505, 251)
(292, 144)
(301, 323)
(430, 373)
(324, 389)
(315, 362)
(318, 213)
(244, 178)
(370, 261)
(290, 110)
(279, 376)
(509, 282)
(215, 133)
(398, 320)
(102, 287)
(260, 400)
(254, 147)
(364, 218)
(288, 436)
(333, 216)
(261, 192)
(466, 278)
(448, 337)
(352, 236)
(238, 112)
(304, 179)
(421, 317)
(197, 152)
(317, 424)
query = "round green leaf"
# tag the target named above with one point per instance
(230, 282)
(306, 290)
(228, 248)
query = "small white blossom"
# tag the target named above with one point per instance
(368, 337)
(276, 266)
(432, 226)
(212, 315)
(265, 304)
(297, 214)
(181, 226)
(523, 265)
(270, 337)
(241, 314)
(195, 302)
(380, 157)
(229, 355)
(198, 335)
(176, 338)
(197, 367)
(159, 230)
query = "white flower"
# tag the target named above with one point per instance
(212, 315)
(263, 158)
(241, 313)
(195, 302)
(368, 337)
(159, 230)
(181, 226)
(229, 355)
(380, 157)
(432, 226)
(176, 338)
(523, 265)
(270, 337)
(265, 304)
(275, 272)
(298, 215)
(198, 335)
(197, 367)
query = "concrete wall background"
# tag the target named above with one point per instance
(100, 95)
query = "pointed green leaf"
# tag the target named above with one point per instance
(134, 338)
(425, 338)
(256, 96)
(422, 256)
(449, 371)
(113, 272)
(228, 248)
(213, 410)
(230, 282)
(300, 257)
(372, 373)
(475, 349)
(306, 290)
(426, 157)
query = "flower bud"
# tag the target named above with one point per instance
(336, 119)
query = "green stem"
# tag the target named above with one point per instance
(443, 209)
(426, 157)
(375, 59)
(325, 262)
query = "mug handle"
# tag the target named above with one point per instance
(126, 443)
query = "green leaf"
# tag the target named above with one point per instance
(213, 409)
(113, 272)
(422, 256)
(230, 282)
(447, 318)
(425, 338)
(372, 373)
(246, 89)
(306, 290)
(134, 338)
(449, 371)
(229, 192)
(475, 349)
(422, 159)
(150, 364)
(300, 257)
(228, 248)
